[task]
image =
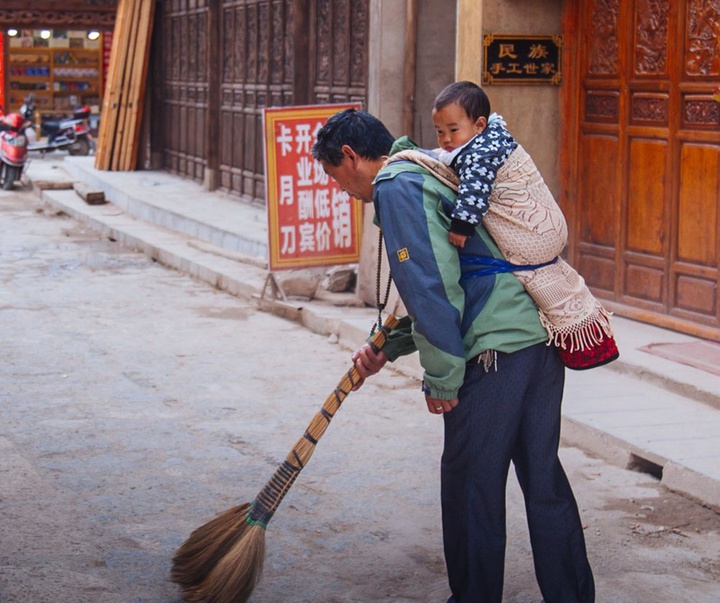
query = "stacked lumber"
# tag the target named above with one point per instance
(119, 135)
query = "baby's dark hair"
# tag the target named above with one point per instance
(469, 96)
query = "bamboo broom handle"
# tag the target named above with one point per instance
(270, 497)
(305, 446)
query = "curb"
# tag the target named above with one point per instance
(621, 453)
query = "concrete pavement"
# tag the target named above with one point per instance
(643, 411)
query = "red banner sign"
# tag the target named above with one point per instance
(311, 222)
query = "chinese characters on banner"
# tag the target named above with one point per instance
(311, 222)
(522, 59)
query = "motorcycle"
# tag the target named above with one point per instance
(71, 133)
(13, 148)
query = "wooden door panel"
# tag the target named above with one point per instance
(651, 37)
(340, 51)
(646, 193)
(648, 139)
(597, 198)
(697, 209)
(282, 52)
(256, 57)
(184, 87)
(702, 32)
(701, 114)
(597, 186)
(644, 285)
(598, 270)
(602, 106)
(650, 109)
(695, 298)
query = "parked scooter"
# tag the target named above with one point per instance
(70, 133)
(13, 148)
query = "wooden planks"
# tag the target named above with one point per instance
(89, 195)
(118, 142)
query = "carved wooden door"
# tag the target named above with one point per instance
(183, 89)
(647, 175)
(280, 53)
(338, 50)
(256, 71)
(223, 61)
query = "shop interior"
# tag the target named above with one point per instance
(63, 70)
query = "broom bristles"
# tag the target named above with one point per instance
(234, 577)
(203, 549)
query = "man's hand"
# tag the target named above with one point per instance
(367, 362)
(438, 407)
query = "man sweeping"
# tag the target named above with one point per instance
(487, 370)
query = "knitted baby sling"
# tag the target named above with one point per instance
(521, 209)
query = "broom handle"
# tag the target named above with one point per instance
(270, 497)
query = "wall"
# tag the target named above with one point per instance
(386, 57)
(435, 63)
(435, 60)
(385, 89)
(531, 111)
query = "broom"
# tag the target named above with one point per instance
(221, 561)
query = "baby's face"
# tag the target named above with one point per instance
(455, 127)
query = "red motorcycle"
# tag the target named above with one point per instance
(13, 148)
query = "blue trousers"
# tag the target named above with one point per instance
(512, 414)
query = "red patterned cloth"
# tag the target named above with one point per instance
(598, 354)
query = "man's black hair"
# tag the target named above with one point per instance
(362, 132)
(469, 96)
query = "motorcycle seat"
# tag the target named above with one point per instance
(51, 126)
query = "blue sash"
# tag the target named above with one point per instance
(488, 266)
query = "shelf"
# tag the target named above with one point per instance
(29, 78)
(65, 73)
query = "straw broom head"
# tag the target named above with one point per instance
(234, 577)
(202, 550)
(221, 562)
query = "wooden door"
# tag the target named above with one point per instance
(647, 164)
(280, 53)
(256, 72)
(183, 95)
(338, 51)
(223, 61)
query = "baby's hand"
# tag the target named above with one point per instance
(457, 239)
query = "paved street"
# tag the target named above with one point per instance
(135, 403)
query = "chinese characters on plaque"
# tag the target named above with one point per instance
(522, 59)
(311, 222)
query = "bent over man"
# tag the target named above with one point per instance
(487, 370)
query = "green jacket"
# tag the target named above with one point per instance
(450, 319)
